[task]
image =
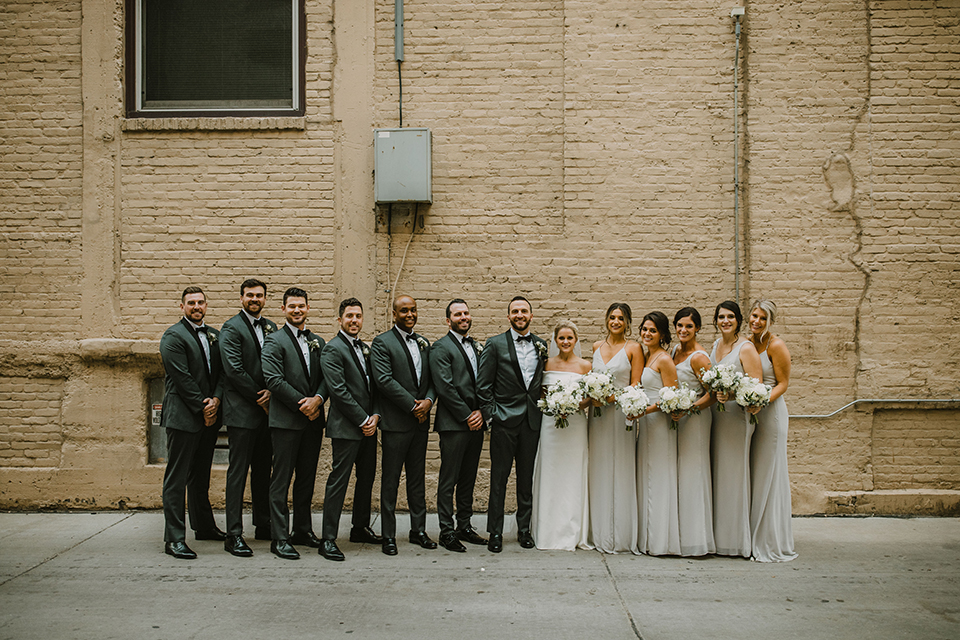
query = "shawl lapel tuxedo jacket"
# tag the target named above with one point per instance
(455, 384)
(285, 374)
(504, 398)
(240, 353)
(188, 378)
(351, 392)
(396, 380)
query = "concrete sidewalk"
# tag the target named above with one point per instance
(104, 575)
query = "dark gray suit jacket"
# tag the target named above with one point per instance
(396, 381)
(503, 397)
(242, 372)
(455, 384)
(188, 378)
(285, 373)
(351, 393)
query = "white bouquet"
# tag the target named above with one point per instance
(722, 378)
(598, 386)
(562, 400)
(677, 400)
(752, 393)
(633, 402)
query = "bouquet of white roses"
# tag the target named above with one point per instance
(598, 386)
(752, 393)
(676, 400)
(722, 378)
(633, 402)
(562, 399)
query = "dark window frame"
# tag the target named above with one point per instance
(131, 73)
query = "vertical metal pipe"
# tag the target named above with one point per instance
(736, 166)
(398, 50)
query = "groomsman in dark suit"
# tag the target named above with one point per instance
(404, 398)
(508, 383)
(246, 401)
(352, 429)
(190, 416)
(292, 371)
(453, 367)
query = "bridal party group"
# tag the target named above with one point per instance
(653, 447)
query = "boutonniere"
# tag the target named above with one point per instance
(477, 347)
(422, 343)
(268, 329)
(365, 350)
(314, 344)
(541, 349)
(211, 337)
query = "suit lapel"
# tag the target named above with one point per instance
(315, 372)
(356, 360)
(513, 358)
(297, 350)
(466, 358)
(253, 332)
(196, 338)
(406, 352)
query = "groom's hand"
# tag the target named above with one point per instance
(370, 426)
(475, 421)
(422, 410)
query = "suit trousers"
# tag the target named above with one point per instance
(506, 445)
(459, 459)
(295, 455)
(403, 450)
(249, 449)
(347, 454)
(189, 456)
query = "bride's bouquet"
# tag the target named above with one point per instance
(633, 402)
(752, 393)
(598, 386)
(677, 400)
(722, 378)
(562, 399)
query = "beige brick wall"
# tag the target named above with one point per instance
(583, 153)
(40, 168)
(30, 427)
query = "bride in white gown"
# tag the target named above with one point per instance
(560, 504)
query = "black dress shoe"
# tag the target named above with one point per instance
(389, 546)
(283, 549)
(262, 533)
(210, 534)
(421, 538)
(469, 534)
(305, 540)
(235, 545)
(365, 534)
(496, 543)
(179, 550)
(449, 542)
(330, 551)
(526, 540)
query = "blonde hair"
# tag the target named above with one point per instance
(566, 324)
(768, 307)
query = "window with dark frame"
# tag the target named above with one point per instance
(215, 58)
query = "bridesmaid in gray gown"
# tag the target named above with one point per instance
(770, 512)
(732, 432)
(613, 466)
(694, 486)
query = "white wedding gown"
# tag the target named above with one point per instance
(560, 503)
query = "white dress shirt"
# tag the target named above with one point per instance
(526, 356)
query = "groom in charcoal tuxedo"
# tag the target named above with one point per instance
(405, 396)
(190, 416)
(508, 384)
(246, 401)
(292, 371)
(352, 429)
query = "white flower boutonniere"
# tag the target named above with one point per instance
(268, 329)
(314, 344)
(478, 347)
(211, 337)
(422, 343)
(366, 351)
(541, 350)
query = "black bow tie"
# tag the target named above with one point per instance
(411, 338)
(203, 329)
(301, 333)
(258, 322)
(526, 338)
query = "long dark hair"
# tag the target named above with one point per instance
(659, 320)
(729, 305)
(627, 316)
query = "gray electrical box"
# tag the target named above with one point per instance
(402, 166)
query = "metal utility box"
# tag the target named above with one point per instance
(402, 165)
